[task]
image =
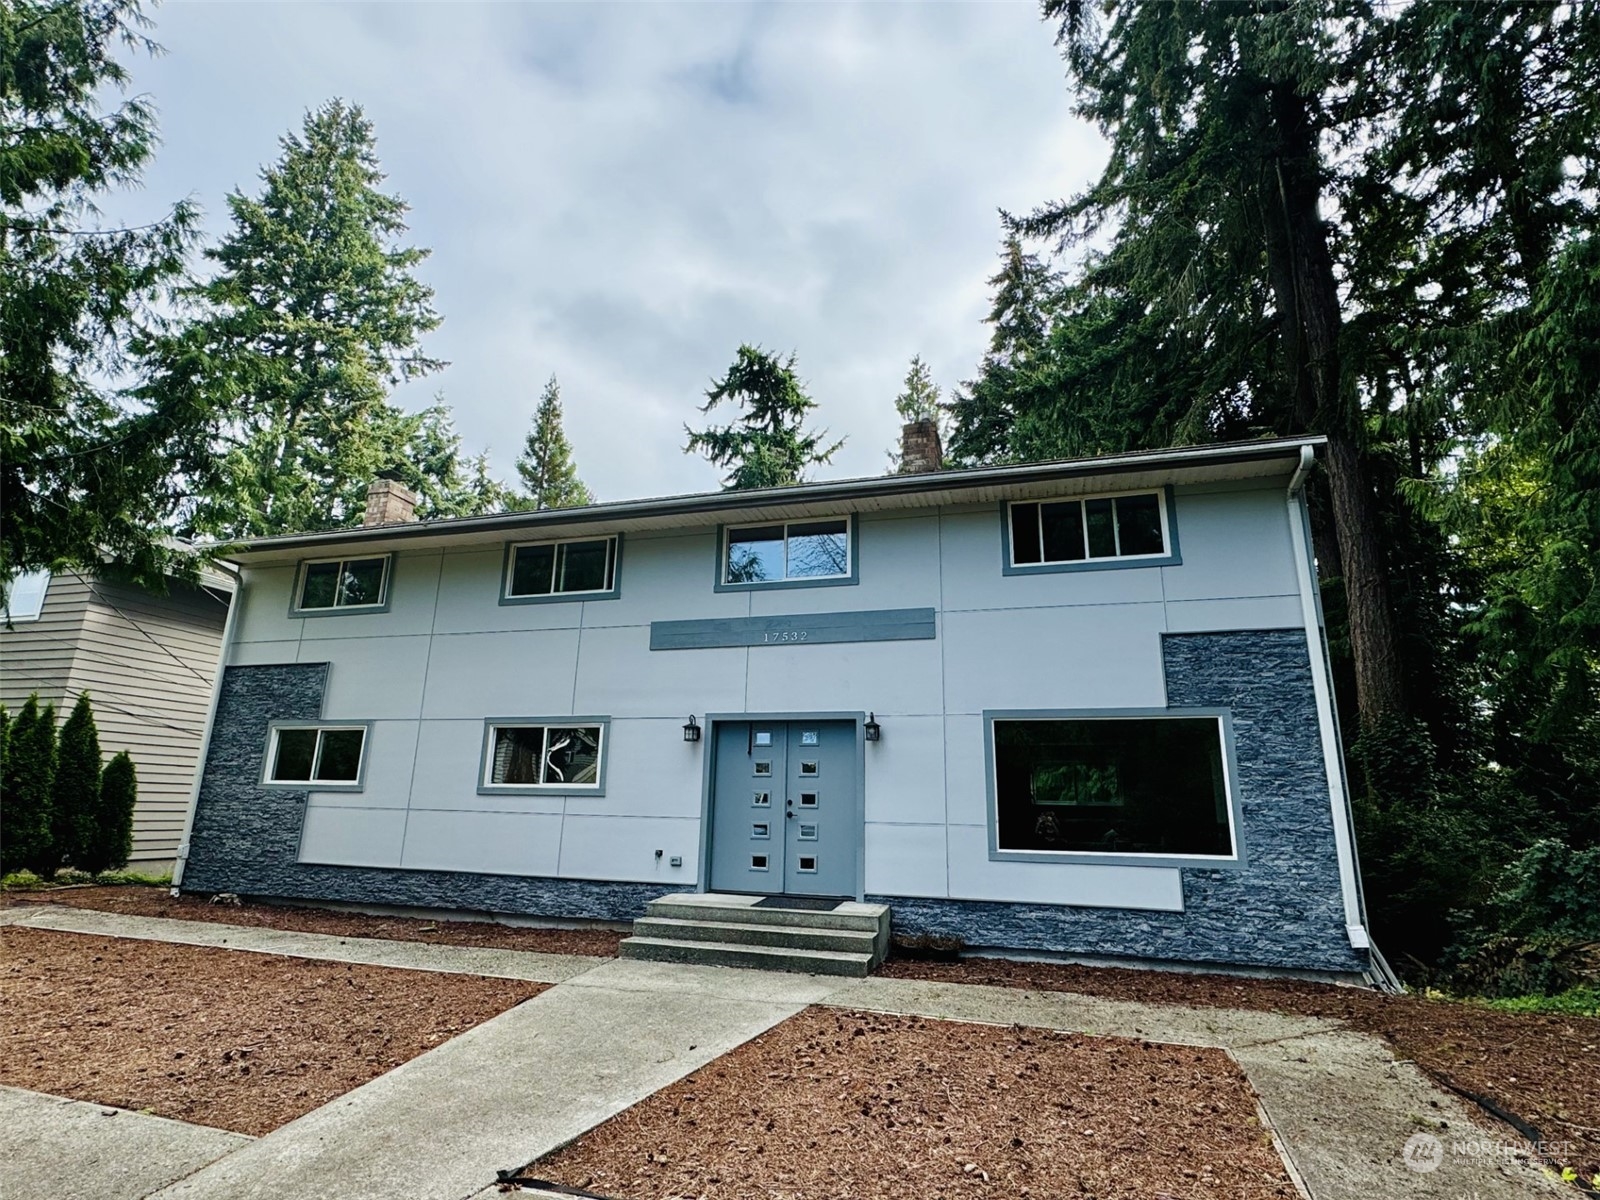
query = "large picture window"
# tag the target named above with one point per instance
(1138, 786)
(794, 551)
(552, 570)
(564, 757)
(338, 584)
(1090, 529)
(316, 755)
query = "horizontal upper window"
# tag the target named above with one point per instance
(791, 551)
(1133, 525)
(316, 754)
(25, 596)
(553, 757)
(1154, 786)
(552, 569)
(344, 583)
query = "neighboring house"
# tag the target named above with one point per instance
(1079, 708)
(148, 662)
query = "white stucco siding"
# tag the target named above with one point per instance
(447, 654)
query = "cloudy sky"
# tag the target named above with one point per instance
(620, 194)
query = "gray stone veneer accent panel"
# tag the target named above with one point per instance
(246, 837)
(1284, 908)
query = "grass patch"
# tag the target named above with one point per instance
(27, 881)
(1574, 1002)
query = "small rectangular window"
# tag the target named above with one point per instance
(311, 755)
(344, 583)
(796, 550)
(1093, 528)
(573, 568)
(553, 757)
(25, 596)
(1112, 785)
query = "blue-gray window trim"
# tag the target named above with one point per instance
(1230, 768)
(360, 783)
(349, 610)
(853, 534)
(611, 593)
(542, 789)
(1172, 558)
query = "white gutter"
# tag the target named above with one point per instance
(1355, 918)
(234, 604)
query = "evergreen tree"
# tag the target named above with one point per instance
(985, 409)
(75, 791)
(113, 840)
(314, 313)
(549, 476)
(768, 445)
(86, 470)
(919, 401)
(30, 768)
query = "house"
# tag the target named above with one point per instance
(1077, 708)
(148, 660)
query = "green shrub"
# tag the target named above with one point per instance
(30, 768)
(75, 794)
(1574, 1002)
(20, 881)
(132, 879)
(113, 841)
(1538, 933)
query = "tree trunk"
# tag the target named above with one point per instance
(1301, 271)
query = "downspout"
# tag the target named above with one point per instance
(211, 717)
(1355, 915)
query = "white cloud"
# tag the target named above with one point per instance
(621, 194)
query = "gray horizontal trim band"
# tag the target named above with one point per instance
(806, 493)
(796, 629)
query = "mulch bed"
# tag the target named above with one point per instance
(157, 902)
(225, 1038)
(1537, 1069)
(873, 1107)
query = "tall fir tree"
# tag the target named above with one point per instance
(75, 791)
(984, 410)
(112, 843)
(30, 768)
(313, 314)
(768, 445)
(549, 476)
(86, 470)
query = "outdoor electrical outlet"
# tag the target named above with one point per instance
(676, 860)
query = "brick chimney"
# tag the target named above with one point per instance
(920, 448)
(389, 502)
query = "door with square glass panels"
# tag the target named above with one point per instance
(784, 808)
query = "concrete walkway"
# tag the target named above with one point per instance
(68, 1150)
(512, 1089)
(372, 952)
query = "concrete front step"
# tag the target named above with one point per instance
(713, 906)
(731, 931)
(746, 933)
(762, 958)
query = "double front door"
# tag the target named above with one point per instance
(786, 813)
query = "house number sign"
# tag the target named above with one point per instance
(799, 629)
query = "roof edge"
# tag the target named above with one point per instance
(876, 487)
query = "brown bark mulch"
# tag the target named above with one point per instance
(1539, 1070)
(225, 1038)
(875, 1107)
(156, 902)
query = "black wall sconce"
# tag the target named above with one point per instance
(873, 730)
(691, 731)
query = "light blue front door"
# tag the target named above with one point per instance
(786, 809)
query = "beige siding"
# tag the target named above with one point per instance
(148, 663)
(36, 656)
